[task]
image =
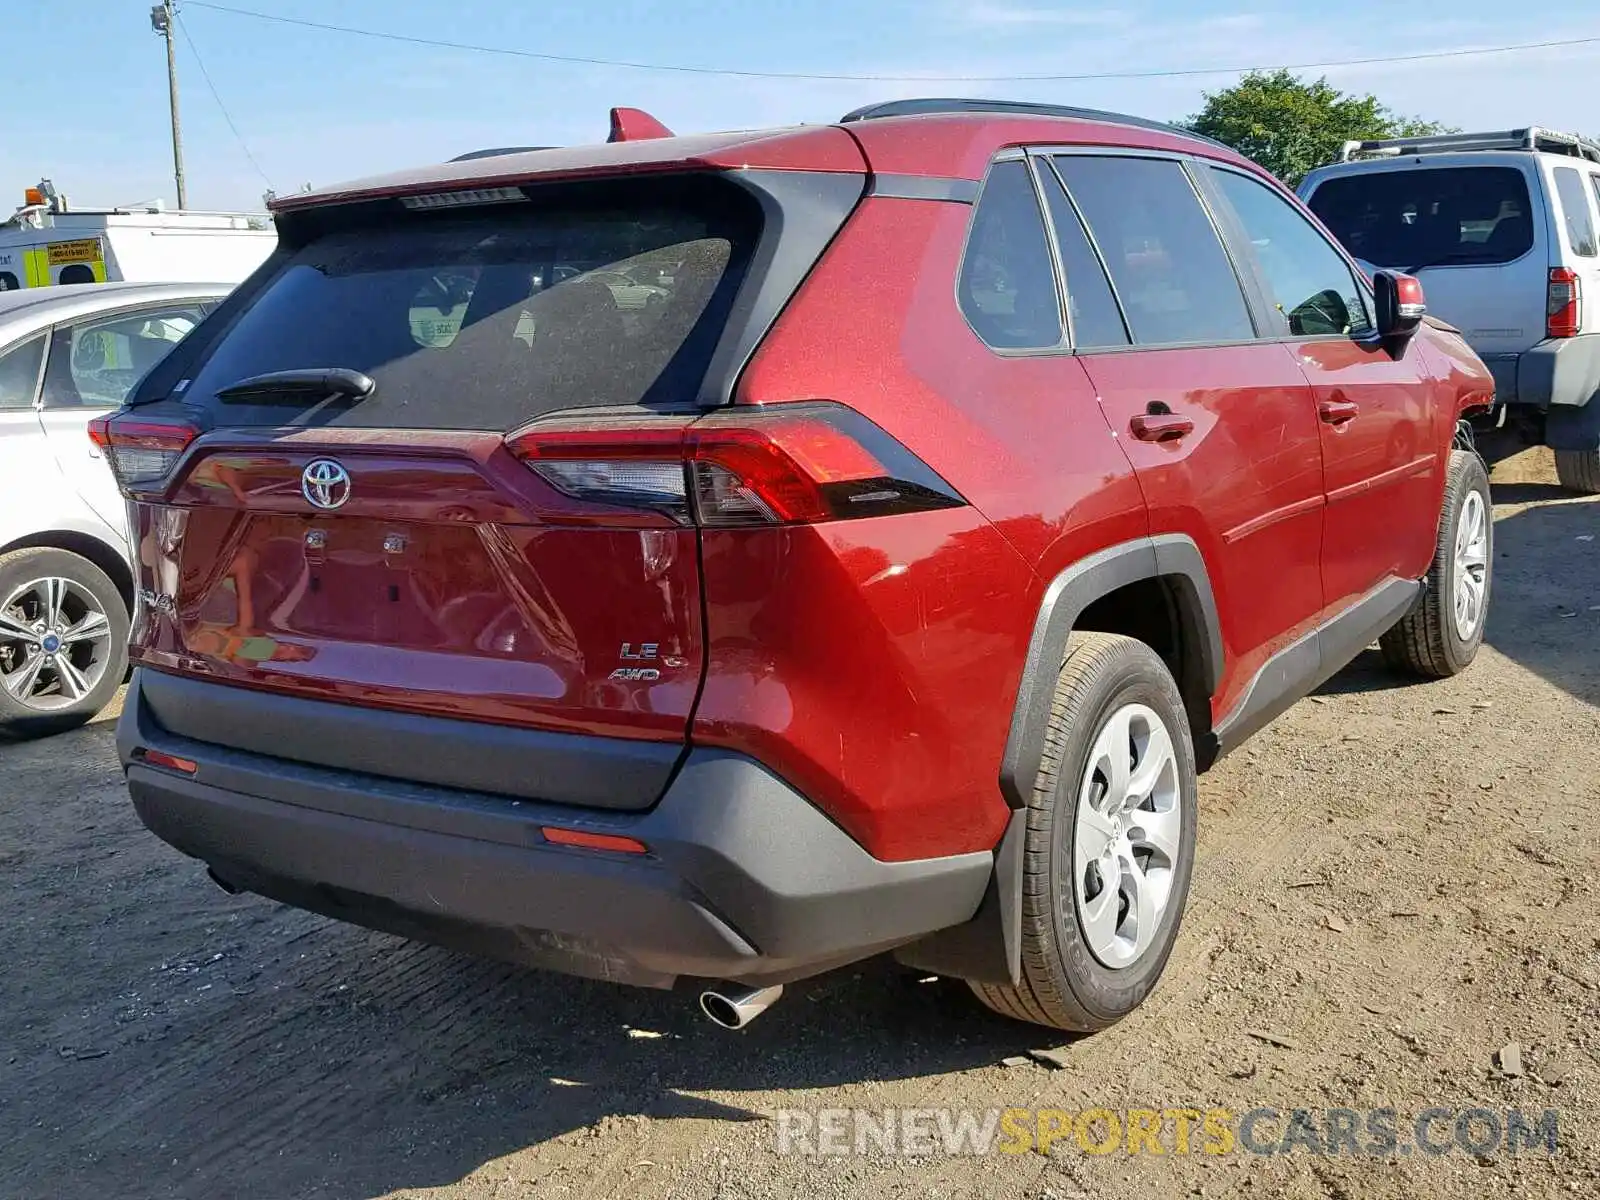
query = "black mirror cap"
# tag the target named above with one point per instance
(1401, 306)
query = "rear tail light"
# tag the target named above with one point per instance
(142, 454)
(1564, 307)
(791, 464)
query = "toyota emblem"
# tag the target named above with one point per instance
(325, 483)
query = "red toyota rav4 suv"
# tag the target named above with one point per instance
(712, 560)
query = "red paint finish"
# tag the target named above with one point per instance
(1246, 484)
(436, 589)
(872, 664)
(635, 125)
(1383, 462)
(1022, 438)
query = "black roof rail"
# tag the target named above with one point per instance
(1024, 108)
(496, 153)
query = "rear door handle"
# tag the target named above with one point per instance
(1338, 412)
(1160, 427)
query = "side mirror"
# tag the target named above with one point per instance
(1401, 306)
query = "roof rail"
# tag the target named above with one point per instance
(1531, 139)
(930, 105)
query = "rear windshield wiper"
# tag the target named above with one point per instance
(316, 384)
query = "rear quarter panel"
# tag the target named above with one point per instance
(877, 662)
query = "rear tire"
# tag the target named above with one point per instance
(1441, 634)
(59, 665)
(1579, 470)
(1101, 909)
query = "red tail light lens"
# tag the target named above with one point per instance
(142, 454)
(171, 762)
(584, 840)
(1564, 307)
(788, 464)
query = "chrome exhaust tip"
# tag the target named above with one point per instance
(733, 1007)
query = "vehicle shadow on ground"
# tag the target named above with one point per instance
(359, 1065)
(1542, 611)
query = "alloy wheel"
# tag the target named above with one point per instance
(1126, 837)
(55, 644)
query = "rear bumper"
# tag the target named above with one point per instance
(1556, 373)
(745, 879)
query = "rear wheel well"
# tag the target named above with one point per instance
(1160, 612)
(84, 546)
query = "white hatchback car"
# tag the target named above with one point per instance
(67, 355)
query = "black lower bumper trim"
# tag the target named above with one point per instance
(745, 879)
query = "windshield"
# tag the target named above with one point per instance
(485, 321)
(1411, 219)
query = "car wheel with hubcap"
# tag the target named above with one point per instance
(1110, 837)
(1441, 634)
(63, 641)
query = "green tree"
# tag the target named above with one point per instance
(1290, 126)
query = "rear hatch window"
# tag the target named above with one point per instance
(485, 318)
(1407, 220)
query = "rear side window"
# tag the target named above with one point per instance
(489, 319)
(1007, 286)
(1091, 304)
(1175, 280)
(1575, 212)
(1441, 216)
(96, 363)
(19, 373)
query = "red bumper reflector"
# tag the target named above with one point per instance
(170, 761)
(593, 841)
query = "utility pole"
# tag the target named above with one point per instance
(162, 18)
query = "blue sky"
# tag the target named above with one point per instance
(317, 107)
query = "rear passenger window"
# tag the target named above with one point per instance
(1166, 260)
(1092, 310)
(1575, 210)
(1312, 286)
(1008, 287)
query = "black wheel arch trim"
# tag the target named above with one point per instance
(1173, 557)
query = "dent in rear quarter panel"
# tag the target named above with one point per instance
(893, 693)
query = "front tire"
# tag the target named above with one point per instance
(1109, 845)
(1441, 634)
(1579, 470)
(63, 641)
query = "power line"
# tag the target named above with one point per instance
(512, 52)
(215, 95)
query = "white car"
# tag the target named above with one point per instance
(1504, 230)
(67, 355)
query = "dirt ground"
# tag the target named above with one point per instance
(1392, 883)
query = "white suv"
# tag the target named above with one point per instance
(1502, 228)
(67, 355)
